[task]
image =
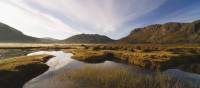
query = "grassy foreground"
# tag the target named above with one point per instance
(92, 77)
(16, 71)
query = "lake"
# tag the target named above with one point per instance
(62, 65)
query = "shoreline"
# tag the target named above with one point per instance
(15, 72)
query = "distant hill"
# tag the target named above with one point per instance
(165, 33)
(88, 38)
(48, 40)
(172, 32)
(9, 34)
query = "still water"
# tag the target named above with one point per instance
(62, 62)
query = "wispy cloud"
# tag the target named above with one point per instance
(63, 18)
(186, 14)
(32, 22)
(99, 15)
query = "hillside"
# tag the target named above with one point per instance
(9, 34)
(165, 33)
(88, 38)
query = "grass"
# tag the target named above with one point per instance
(19, 70)
(16, 71)
(8, 53)
(159, 57)
(142, 47)
(145, 59)
(89, 55)
(37, 46)
(92, 77)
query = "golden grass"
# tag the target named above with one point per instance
(12, 63)
(37, 46)
(89, 56)
(84, 54)
(92, 77)
(153, 56)
(8, 53)
(16, 71)
(156, 60)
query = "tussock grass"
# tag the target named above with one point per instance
(11, 63)
(37, 46)
(90, 56)
(92, 77)
(16, 71)
(154, 57)
(8, 53)
(142, 47)
(84, 54)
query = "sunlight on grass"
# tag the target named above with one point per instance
(90, 77)
(16, 71)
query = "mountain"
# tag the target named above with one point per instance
(88, 38)
(165, 33)
(9, 34)
(48, 40)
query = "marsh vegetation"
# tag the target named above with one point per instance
(16, 71)
(92, 77)
(153, 58)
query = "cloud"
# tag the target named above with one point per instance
(33, 22)
(96, 16)
(63, 18)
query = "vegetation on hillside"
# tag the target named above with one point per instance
(165, 33)
(88, 38)
(12, 35)
(9, 34)
(157, 34)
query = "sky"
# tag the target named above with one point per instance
(61, 19)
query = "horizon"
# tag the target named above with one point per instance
(113, 18)
(108, 36)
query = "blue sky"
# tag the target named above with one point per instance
(115, 18)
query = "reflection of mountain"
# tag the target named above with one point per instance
(88, 38)
(166, 33)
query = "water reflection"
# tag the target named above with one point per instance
(61, 64)
(60, 60)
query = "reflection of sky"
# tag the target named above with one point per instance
(59, 64)
(61, 59)
(115, 18)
